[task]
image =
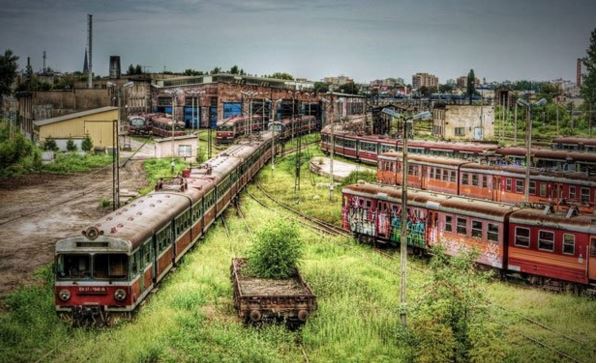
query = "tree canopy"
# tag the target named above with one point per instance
(8, 71)
(282, 75)
(588, 88)
(471, 85)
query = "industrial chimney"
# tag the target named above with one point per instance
(90, 71)
(114, 69)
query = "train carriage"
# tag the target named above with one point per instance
(165, 126)
(230, 129)
(574, 144)
(552, 245)
(289, 127)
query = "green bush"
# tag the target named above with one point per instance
(366, 175)
(16, 152)
(275, 251)
(87, 145)
(71, 145)
(50, 145)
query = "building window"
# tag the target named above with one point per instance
(520, 187)
(572, 192)
(465, 179)
(475, 179)
(546, 241)
(476, 229)
(522, 237)
(542, 189)
(532, 187)
(461, 225)
(484, 181)
(184, 151)
(438, 173)
(568, 244)
(448, 223)
(492, 232)
(459, 131)
(445, 175)
(508, 184)
(585, 195)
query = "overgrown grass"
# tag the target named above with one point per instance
(65, 163)
(191, 316)
(161, 168)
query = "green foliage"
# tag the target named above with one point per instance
(366, 175)
(234, 70)
(471, 85)
(105, 203)
(200, 155)
(71, 145)
(216, 70)
(50, 145)
(282, 75)
(86, 144)
(321, 87)
(349, 88)
(289, 163)
(192, 72)
(65, 163)
(276, 250)
(8, 71)
(588, 88)
(452, 311)
(160, 168)
(13, 148)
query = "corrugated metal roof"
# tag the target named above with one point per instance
(74, 115)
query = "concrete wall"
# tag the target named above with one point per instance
(447, 120)
(98, 126)
(163, 147)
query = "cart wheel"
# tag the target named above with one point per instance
(255, 315)
(302, 315)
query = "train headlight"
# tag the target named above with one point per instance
(120, 295)
(64, 295)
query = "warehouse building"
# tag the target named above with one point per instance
(463, 122)
(97, 123)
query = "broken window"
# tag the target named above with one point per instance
(111, 266)
(74, 266)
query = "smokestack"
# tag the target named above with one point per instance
(90, 70)
(114, 69)
(44, 63)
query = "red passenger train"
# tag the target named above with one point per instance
(555, 249)
(500, 183)
(230, 129)
(110, 268)
(290, 127)
(163, 126)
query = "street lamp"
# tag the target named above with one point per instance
(526, 103)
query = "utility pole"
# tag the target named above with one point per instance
(404, 236)
(516, 122)
(527, 171)
(557, 124)
(331, 147)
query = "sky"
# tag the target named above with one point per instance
(499, 39)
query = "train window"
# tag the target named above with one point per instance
(476, 229)
(492, 232)
(461, 225)
(448, 223)
(484, 181)
(75, 266)
(453, 176)
(532, 187)
(368, 204)
(520, 186)
(113, 266)
(585, 195)
(475, 179)
(522, 237)
(568, 246)
(572, 192)
(546, 241)
(508, 184)
(593, 247)
(438, 173)
(542, 189)
(445, 175)
(147, 251)
(465, 179)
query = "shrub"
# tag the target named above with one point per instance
(14, 149)
(366, 175)
(275, 251)
(201, 156)
(71, 145)
(50, 145)
(87, 145)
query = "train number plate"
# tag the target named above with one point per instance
(91, 290)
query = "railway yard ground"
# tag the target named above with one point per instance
(191, 316)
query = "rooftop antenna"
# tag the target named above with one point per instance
(90, 71)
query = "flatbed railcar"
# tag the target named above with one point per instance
(366, 148)
(546, 248)
(499, 183)
(108, 270)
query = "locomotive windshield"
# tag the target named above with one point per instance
(137, 122)
(104, 266)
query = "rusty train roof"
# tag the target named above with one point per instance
(286, 121)
(236, 119)
(574, 140)
(548, 154)
(425, 159)
(431, 200)
(538, 218)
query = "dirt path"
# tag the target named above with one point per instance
(34, 215)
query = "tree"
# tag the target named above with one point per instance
(131, 69)
(86, 144)
(234, 70)
(71, 145)
(471, 85)
(282, 75)
(138, 69)
(321, 87)
(8, 72)
(588, 88)
(276, 250)
(216, 70)
(445, 88)
(242, 72)
(350, 88)
(452, 313)
(192, 72)
(50, 145)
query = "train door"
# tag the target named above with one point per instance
(496, 187)
(592, 259)
(383, 219)
(432, 234)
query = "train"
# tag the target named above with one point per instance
(500, 183)
(289, 127)
(554, 249)
(139, 125)
(230, 129)
(156, 124)
(106, 272)
(574, 144)
(366, 148)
